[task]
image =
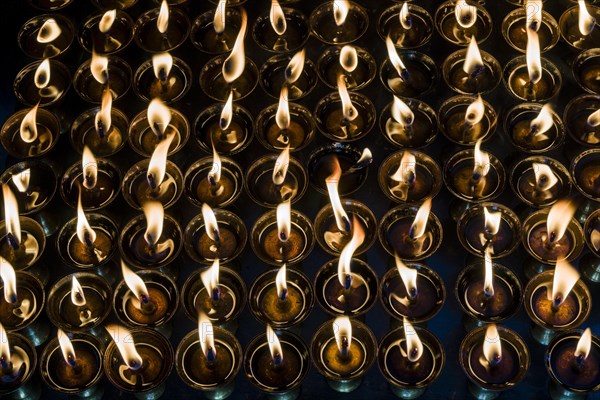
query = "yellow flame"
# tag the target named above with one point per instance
(9, 279)
(488, 284)
(280, 281)
(206, 336)
(134, 282)
(28, 129)
(340, 11)
(419, 225)
(66, 347)
(49, 31)
(395, 58)
(162, 64)
(234, 64)
(274, 345)
(475, 111)
(544, 177)
(210, 277)
(77, 294)
(586, 20)
(584, 344)
(473, 61)
(533, 57)
(107, 20)
(348, 110)
(154, 212)
(159, 116)
(220, 14)
(594, 118)
(281, 166)
(21, 180)
(342, 330)
(482, 160)
(565, 277)
(408, 275)
(4, 346)
(533, 9)
(401, 112)
(226, 113)
(492, 345)
(99, 68)
(492, 221)
(210, 222)
(466, 15)
(41, 78)
(358, 237)
(103, 119)
(282, 117)
(332, 182)
(595, 239)
(543, 121)
(158, 162)
(277, 18)
(559, 217)
(404, 16)
(414, 346)
(407, 170)
(348, 58)
(124, 342)
(89, 167)
(85, 233)
(295, 67)
(11, 214)
(284, 224)
(162, 22)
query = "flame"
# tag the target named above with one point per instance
(405, 18)
(358, 237)
(565, 277)
(28, 129)
(559, 217)
(342, 330)
(99, 68)
(124, 341)
(492, 221)
(274, 346)
(414, 346)
(89, 167)
(406, 172)
(66, 347)
(134, 283)
(41, 77)
(4, 347)
(594, 118)
(210, 277)
(77, 295)
(466, 15)
(280, 282)
(586, 21)
(417, 229)
(401, 113)
(219, 19)
(210, 223)
(159, 116)
(482, 161)
(207, 337)
(158, 162)
(281, 166)
(543, 121)
(492, 345)
(9, 279)
(49, 31)
(234, 65)
(533, 57)
(214, 175)
(584, 344)
(11, 215)
(154, 212)
(332, 182)
(284, 217)
(295, 67)
(21, 180)
(473, 61)
(340, 11)
(395, 59)
(348, 110)
(277, 18)
(103, 119)
(348, 58)
(162, 22)
(162, 64)
(488, 284)
(85, 233)
(544, 177)
(282, 117)
(408, 275)
(226, 113)
(366, 157)
(107, 20)
(475, 111)
(534, 14)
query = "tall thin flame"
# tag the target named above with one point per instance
(103, 120)
(85, 233)
(342, 330)
(89, 167)
(488, 284)
(409, 277)
(158, 162)
(544, 176)
(9, 279)
(11, 217)
(220, 14)
(586, 20)
(475, 111)
(543, 121)
(295, 67)
(492, 221)
(348, 58)
(565, 278)
(214, 175)
(533, 56)
(66, 347)
(210, 277)
(559, 218)
(277, 18)
(41, 78)
(207, 337)
(49, 31)
(414, 346)
(162, 22)
(28, 129)
(21, 180)
(234, 64)
(395, 59)
(210, 223)
(348, 110)
(401, 112)
(482, 161)
(419, 225)
(77, 294)
(332, 181)
(473, 61)
(159, 117)
(584, 344)
(284, 224)
(274, 346)
(124, 342)
(358, 237)
(281, 282)
(340, 11)
(492, 345)
(533, 9)
(155, 213)
(162, 64)
(282, 117)
(407, 170)
(405, 17)
(226, 112)
(466, 15)
(135, 283)
(107, 20)
(99, 68)
(281, 166)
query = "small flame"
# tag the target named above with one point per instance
(162, 22)
(210, 223)
(226, 112)
(348, 110)
(533, 56)
(28, 129)
(488, 285)
(214, 175)
(358, 237)
(41, 77)
(154, 212)
(107, 20)
(414, 346)
(277, 18)
(492, 345)
(281, 166)
(595, 239)
(281, 283)
(158, 162)
(295, 67)
(482, 161)
(89, 166)
(405, 18)
(340, 11)
(11, 216)
(544, 176)
(207, 337)
(21, 180)
(332, 182)
(77, 295)
(584, 344)
(473, 61)
(234, 64)
(408, 275)
(162, 64)
(282, 117)
(342, 330)
(274, 346)
(475, 111)
(565, 277)
(220, 17)
(159, 116)
(284, 225)
(9, 279)
(49, 31)
(134, 283)
(395, 59)
(85, 233)
(466, 15)
(492, 221)
(586, 20)
(66, 347)
(401, 113)
(534, 14)
(99, 68)
(124, 341)
(103, 120)
(593, 119)
(210, 277)
(348, 58)
(4, 347)
(417, 229)
(407, 170)
(543, 121)
(559, 217)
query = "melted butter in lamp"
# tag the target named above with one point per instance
(151, 312)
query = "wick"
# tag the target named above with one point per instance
(73, 363)
(13, 298)
(277, 360)
(495, 361)
(488, 293)
(100, 129)
(411, 232)
(89, 180)
(345, 348)
(217, 237)
(404, 75)
(147, 307)
(477, 71)
(6, 365)
(87, 238)
(347, 225)
(151, 181)
(216, 294)
(135, 365)
(551, 238)
(159, 132)
(556, 302)
(412, 294)
(580, 361)
(284, 293)
(162, 75)
(283, 237)
(347, 281)
(12, 241)
(211, 355)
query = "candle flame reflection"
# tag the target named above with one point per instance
(404, 16)
(475, 111)
(332, 181)
(395, 59)
(107, 20)
(154, 213)
(473, 61)
(162, 64)
(414, 346)
(85, 233)
(124, 342)
(281, 282)
(492, 346)
(348, 110)
(99, 68)
(419, 225)
(207, 337)
(488, 285)
(11, 217)
(284, 217)
(41, 78)
(282, 116)
(21, 180)
(344, 273)
(66, 347)
(274, 346)
(277, 18)
(157, 167)
(103, 119)
(408, 276)
(559, 217)
(210, 223)
(210, 277)
(162, 22)
(586, 20)
(565, 278)
(9, 279)
(348, 58)
(466, 15)
(219, 19)
(281, 166)
(342, 330)
(340, 11)
(295, 67)
(49, 31)
(234, 64)
(584, 344)
(544, 176)
(533, 56)
(135, 283)
(77, 295)
(159, 117)
(28, 128)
